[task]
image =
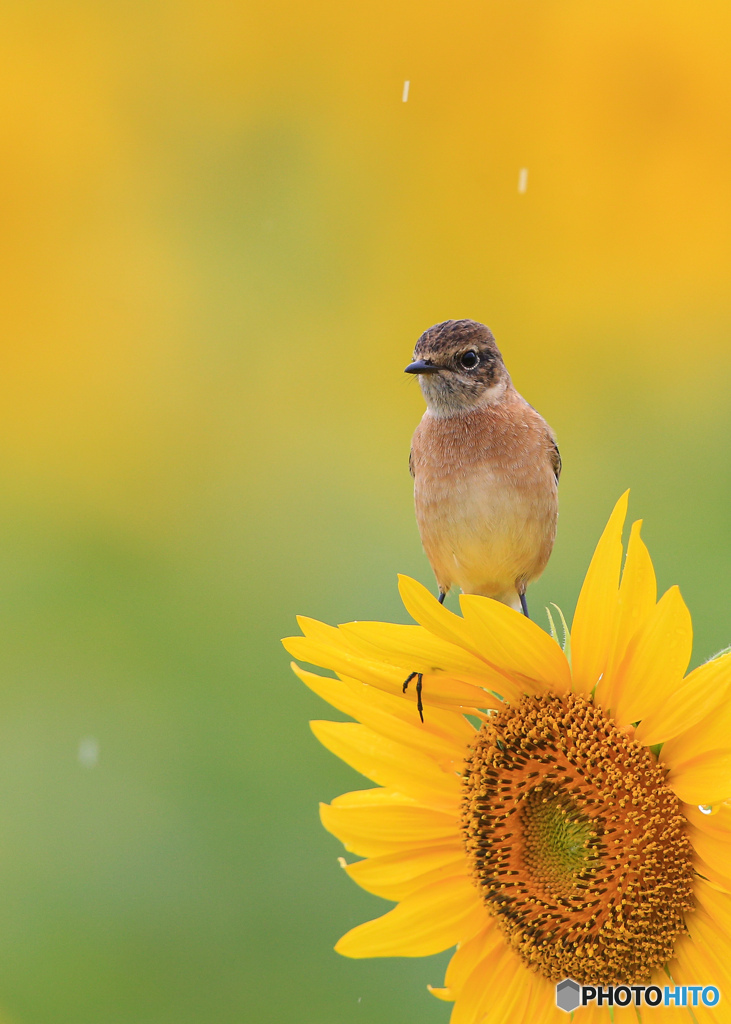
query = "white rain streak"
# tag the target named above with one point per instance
(405, 93)
(522, 180)
(88, 752)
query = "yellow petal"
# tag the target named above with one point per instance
(595, 620)
(591, 1014)
(479, 638)
(656, 660)
(443, 691)
(394, 876)
(699, 966)
(594, 1014)
(715, 851)
(330, 636)
(491, 990)
(390, 764)
(705, 927)
(716, 908)
(683, 968)
(337, 656)
(390, 645)
(713, 731)
(379, 797)
(705, 779)
(474, 997)
(716, 824)
(512, 1002)
(637, 589)
(340, 657)
(683, 971)
(413, 648)
(425, 609)
(426, 922)
(714, 878)
(636, 601)
(709, 936)
(318, 630)
(373, 822)
(678, 975)
(441, 993)
(439, 689)
(628, 1014)
(541, 1006)
(517, 646)
(393, 717)
(700, 693)
(469, 954)
(719, 1014)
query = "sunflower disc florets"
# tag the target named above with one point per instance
(577, 845)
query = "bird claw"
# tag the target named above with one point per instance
(419, 679)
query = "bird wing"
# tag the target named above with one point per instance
(555, 459)
(411, 461)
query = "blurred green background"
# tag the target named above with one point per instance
(222, 233)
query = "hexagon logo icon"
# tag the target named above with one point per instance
(568, 995)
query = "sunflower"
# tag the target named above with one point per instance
(562, 811)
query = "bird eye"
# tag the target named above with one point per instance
(469, 360)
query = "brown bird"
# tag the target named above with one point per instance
(485, 466)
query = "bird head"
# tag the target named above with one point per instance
(459, 366)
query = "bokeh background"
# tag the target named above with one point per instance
(222, 233)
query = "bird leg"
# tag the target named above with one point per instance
(524, 605)
(419, 676)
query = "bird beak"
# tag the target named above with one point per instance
(422, 366)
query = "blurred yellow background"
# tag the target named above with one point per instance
(222, 232)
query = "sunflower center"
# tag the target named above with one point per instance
(556, 840)
(576, 843)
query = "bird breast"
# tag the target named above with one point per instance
(485, 496)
